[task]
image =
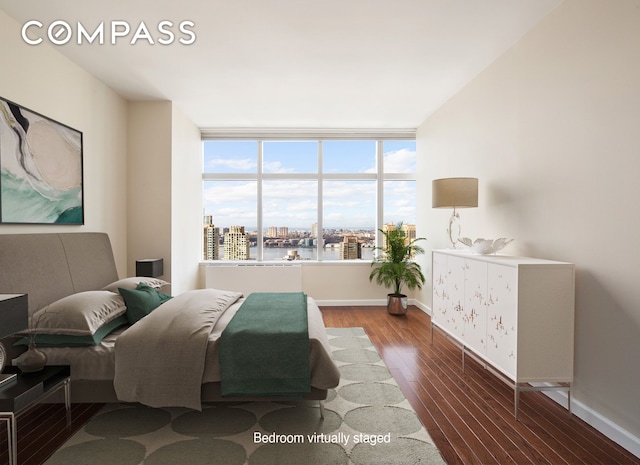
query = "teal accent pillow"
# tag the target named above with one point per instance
(69, 340)
(141, 301)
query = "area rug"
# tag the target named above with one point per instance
(368, 421)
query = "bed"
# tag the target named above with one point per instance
(54, 267)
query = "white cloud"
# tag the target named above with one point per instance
(243, 164)
(276, 167)
(400, 161)
(294, 203)
(344, 190)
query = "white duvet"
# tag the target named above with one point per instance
(160, 360)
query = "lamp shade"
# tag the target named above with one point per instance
(14, 313)
(150, 267)
(454, 193)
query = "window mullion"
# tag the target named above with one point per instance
(259, 239)
(229, 176)
(379, 191)
(319, 217)
(290, 176)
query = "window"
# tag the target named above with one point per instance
(311, 199)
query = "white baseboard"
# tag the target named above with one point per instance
(422, 307)
(610, 429)
(372, 302)
(355, 303)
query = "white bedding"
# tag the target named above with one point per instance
(160, 359)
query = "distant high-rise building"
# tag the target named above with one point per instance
(387, 228)
(409, 231)
(314, 230)
(211, 240)
(272, 231)
(284, 231)
(409, 234)
(236, 244)
(350, 248)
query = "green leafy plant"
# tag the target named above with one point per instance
(394, 267)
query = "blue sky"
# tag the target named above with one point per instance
(293, 203)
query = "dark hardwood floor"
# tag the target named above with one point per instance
(43, 429)
(470, 415)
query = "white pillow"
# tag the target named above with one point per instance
(78, 314)
(132, 283)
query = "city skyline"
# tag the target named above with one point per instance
(241, 243)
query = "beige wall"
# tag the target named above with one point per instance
(551, 131)
(328, 283)
(186, 201)
(149, 184)
(44, 81)
(343, 283)
(165, 197)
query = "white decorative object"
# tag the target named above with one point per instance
(514, 314)
(485, 246)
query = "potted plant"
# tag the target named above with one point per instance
(395, 268)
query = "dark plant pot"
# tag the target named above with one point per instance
(397, 304)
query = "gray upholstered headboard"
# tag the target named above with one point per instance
(51, 266)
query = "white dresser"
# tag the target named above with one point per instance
(513, 314)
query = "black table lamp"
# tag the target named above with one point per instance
(14, 317)
(150, 267)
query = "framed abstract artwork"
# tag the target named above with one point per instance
(41, 179)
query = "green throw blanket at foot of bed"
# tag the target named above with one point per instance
(264, 351)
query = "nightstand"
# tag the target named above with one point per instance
(25, 391)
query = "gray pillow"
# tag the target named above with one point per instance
(78, 314)
(132, 283)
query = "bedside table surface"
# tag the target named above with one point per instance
(28, 387)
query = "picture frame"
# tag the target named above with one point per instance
(41, 168)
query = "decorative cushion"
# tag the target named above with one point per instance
(80, 314)
(132, 283)
(141, 301)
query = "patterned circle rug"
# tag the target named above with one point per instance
(368, 421)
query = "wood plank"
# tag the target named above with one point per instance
(43, 429)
